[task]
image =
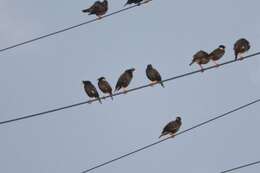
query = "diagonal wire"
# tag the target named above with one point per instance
(119, 93)
(240, 167)
(68, 28)
(182, 132)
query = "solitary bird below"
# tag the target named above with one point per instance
(91, 90)
(124, 80)
(217, 54)
(104, 86)
(98, 8)
(172, 127)
(201, 57)
(153, 75)
(241, 46)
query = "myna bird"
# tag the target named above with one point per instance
(124, 80)
(104, 86)
(98, 8)
(217, 54)
(91, 90)
(201, 57)
(172, 127)
(153, 75)
(241, 46)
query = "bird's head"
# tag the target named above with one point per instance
(222, 47)
(86, 82)
(105, 2)
(101, 78)
(149, 66)
(131, 70)
(178, 118)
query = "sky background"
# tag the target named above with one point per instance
(48, 73)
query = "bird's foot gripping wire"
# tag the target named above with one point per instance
(201, 69)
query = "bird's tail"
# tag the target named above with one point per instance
(111, 96)
(99, 100)
(125, 4)
(191, 63)
(162, 84)
(86, 10)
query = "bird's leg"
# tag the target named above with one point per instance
(99, 17)
(202, 70)
(216, 64)
(172, 135)
(240, 57)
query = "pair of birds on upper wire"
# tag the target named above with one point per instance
(201, 57)
(99, 8)
(123, 82)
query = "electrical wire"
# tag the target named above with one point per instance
(182, 132)
(240, 167)
(69, 28)
(120, 93)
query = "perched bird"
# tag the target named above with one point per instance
(241, 46)
(133, 2)
(172, 127)
(124, 80)
(217, 54)
(91, 90)
(201, 57)
(153, 75)
(98, 8)
(104, 86)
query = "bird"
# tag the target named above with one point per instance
(91, 90)
(217, 54)
(201, 57)
(172, 127)
(153, 75)
(104, 86)
(124, 80)
(138, 2)
(241, 46)
(98, 8)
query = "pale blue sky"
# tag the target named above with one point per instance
(48, 74)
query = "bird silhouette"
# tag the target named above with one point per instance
(172, 127)
(217, 54)
(98, 8)
(91, 90)
(104, 86)
(201, 57)
(241, 46)
(153, 75)
(124, 80)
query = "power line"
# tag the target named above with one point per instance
(68, 28)
(119, 93)
(240, 167)
(160, 141)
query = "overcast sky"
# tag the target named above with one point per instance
(48, 74)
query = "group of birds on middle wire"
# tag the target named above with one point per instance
(99, 8)
(201, 57)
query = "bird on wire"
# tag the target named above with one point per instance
(241, 46)
(138, 2)
(153, 75)
(124, 80)
(217, 54)
(98, 8)
(172, 127)
(104, 86)
(91, 90)
(201, 57)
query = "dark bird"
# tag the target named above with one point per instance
(201, 57)
(241, 46)
(217, 54)
(98, 8)
(124, 80)
(104, 86)
(91, 90)
(133, 2)
(172, 127)
(153, 75)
